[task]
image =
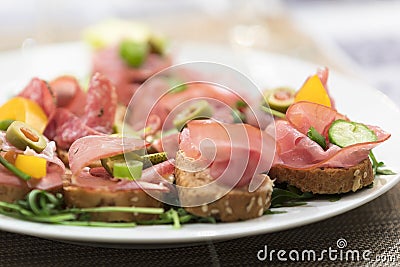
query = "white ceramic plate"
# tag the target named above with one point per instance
(354, 98)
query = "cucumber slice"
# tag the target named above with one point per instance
(131, 170)
(345, 133)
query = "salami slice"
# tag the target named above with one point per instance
(38, 90)
(65, 128)
(101, 104)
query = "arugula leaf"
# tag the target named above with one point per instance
(288, 198)
(377, 166)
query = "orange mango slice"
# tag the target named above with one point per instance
(313, 91)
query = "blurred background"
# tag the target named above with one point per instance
(357, 37)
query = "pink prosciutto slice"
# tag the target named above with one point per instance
(126, 79)
(38, 91)
(90, 148)
(235, 153)
(98, 178)
(303, 115)
(295, 150)
(199, 90)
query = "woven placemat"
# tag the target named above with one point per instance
(374, 226)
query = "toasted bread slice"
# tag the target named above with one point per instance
(87, 197)
(326, 180)
(11, 193)
(238, 204)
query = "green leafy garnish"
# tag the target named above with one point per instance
(14, 169)
(314, 135)
(288, 197)
(377, 166)
(45, 207)
(238, 117)
(270, 212)
(240, 104)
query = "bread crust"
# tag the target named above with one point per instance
(326, 180)
(85, 197)
(238, 204)
(11, 193)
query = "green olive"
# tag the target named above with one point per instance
(21, 135)
(198, 110)
(279, 98)
(134, 53)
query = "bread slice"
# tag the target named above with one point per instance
(10, 193)
(238, 204)
(88, 197)
(326, 180)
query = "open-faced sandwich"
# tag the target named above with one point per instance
(318, 149)
(215, 165)
(116, 181)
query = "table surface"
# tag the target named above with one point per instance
(374, 226)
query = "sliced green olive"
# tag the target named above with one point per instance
(134, 53)
(198, 110)
(148, 160)
(4, 124)
(279, 98)
(21, 135)
(131, 170)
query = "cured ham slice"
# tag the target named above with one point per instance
(303, 115)
(126, 79)
(90, 148)
(99, 179)
(296, 151)
(235, 153)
